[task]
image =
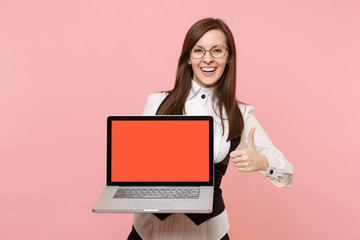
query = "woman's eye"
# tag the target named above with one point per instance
(198, 50)
(217, 50)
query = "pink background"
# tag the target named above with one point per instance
(66, 65)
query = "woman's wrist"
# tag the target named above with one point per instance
(265, 163)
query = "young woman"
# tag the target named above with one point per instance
(205, 85)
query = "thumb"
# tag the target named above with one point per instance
(251, 141)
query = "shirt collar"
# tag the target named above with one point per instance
(196, 89)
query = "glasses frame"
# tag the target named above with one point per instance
(226, 48)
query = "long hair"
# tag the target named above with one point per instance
(226, 87)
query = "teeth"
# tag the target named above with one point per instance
(208, 69)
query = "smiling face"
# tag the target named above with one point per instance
(208, 70)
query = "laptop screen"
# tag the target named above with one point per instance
(160, 150)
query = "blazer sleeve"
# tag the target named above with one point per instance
(153, 102)
(280, 171)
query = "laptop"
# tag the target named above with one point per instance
(158, 164)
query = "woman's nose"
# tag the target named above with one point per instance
(208, 58)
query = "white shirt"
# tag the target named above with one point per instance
(179, 226)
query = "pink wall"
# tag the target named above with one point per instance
(66, 65)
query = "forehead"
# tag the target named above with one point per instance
(211, 38)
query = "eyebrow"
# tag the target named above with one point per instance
(217, 45)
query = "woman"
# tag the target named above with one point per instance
(205, 85)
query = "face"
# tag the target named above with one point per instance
(208, 70)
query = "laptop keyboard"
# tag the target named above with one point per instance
(156, 193)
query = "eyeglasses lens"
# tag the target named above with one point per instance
(216, 52)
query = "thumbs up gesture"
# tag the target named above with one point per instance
(249, 159)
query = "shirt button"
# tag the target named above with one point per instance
(271, 171)
(203, 96)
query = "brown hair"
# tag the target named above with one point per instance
(226, 87)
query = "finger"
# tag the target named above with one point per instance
(247, 169)
(237, 153)
(244, 169)
(241, 165)
(251, 141)
(238, 159)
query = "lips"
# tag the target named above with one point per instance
(208, 69)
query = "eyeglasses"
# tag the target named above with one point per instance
(216, 52)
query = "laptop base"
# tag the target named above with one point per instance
(107, 204)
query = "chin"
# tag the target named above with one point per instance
(209, 83)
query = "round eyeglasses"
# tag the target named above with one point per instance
(216, 52)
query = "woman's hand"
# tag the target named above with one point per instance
(249, 159)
